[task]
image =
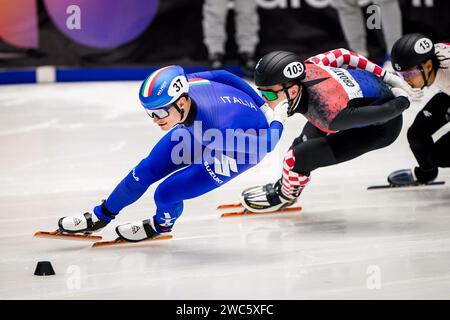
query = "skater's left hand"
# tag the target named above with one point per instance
(447, 115)
(395, 81)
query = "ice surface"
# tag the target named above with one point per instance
(64, 147)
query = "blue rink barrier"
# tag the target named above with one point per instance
(50, 74)
(17, 76)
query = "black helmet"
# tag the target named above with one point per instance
(411, 50)
(279, 67)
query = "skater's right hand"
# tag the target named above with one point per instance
(268, 112)
(399, 92)
(395, 81)
(447, 115)
(280, 112)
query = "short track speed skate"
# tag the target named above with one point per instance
(133, 232)
(76, 228)
(261, 200)
(407, 178)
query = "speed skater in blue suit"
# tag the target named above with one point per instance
(217, 127)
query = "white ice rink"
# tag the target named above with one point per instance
(64, 147)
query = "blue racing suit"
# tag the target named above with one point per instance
(225, 134)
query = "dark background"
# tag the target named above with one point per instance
(176, 36)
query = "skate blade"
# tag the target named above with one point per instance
(246, 212)
(229, 205)
(67, 236)
(121, 241)
(389, 186)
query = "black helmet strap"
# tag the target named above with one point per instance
(425, 78)
(293, 103)
(180, 111)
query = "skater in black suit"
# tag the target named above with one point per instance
(423, 63)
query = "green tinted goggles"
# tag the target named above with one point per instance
(270, 95)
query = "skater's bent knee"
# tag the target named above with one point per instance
(416, 133)
(387, 140)
(167, 195)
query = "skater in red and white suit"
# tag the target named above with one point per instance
(422, 64)
(352, 105)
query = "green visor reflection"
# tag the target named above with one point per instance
(269, 95)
